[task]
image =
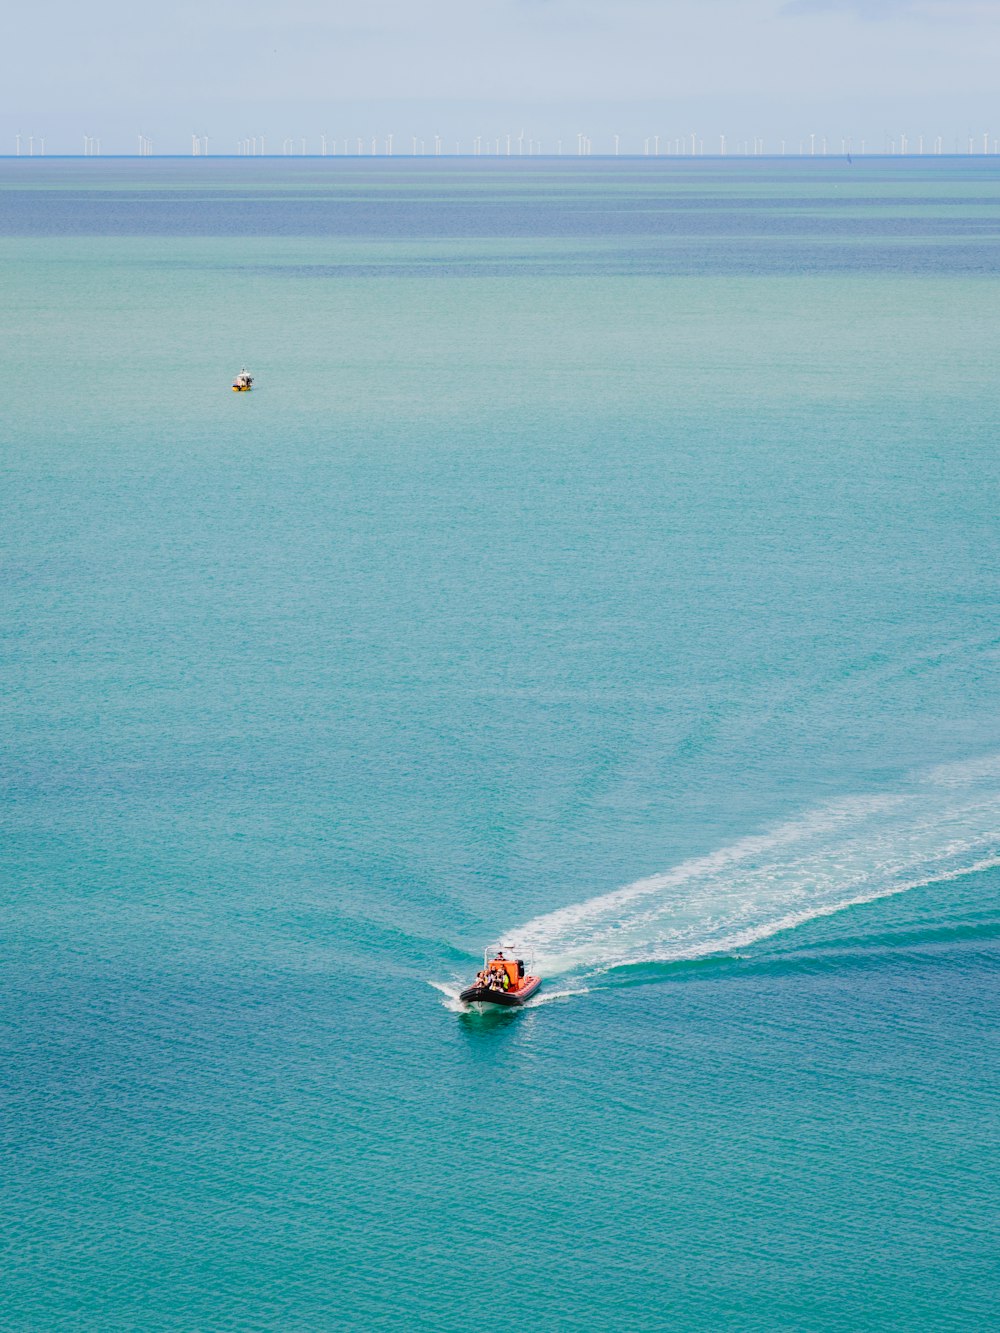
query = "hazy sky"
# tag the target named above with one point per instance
(551, 67)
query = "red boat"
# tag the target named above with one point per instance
(502, 981)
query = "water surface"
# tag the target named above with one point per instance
(605, 560)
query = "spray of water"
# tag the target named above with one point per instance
(942, 824)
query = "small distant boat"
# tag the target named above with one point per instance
(243, 382)
(502, 981)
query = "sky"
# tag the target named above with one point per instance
(746, 69)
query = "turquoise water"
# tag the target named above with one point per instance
(605, 561)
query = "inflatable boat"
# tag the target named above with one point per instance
(502, 981)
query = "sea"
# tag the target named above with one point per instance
(604, 565)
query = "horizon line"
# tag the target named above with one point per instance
(490, 157)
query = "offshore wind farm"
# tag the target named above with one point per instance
(508, 144)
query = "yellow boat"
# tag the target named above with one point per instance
(243, 382)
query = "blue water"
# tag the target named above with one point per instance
(605, 562)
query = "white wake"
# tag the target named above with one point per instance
(942, 824)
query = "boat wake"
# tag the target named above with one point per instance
(548, 996)
(451, 994)
(455, 1005)
(943, 824)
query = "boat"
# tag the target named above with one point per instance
(243, 382)
(503, 981)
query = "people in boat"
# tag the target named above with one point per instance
(502, 981)
(495, 977)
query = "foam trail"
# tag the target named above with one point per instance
(547, 996)
(942, 824)
(451, 994)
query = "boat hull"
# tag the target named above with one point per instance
(507, 999)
